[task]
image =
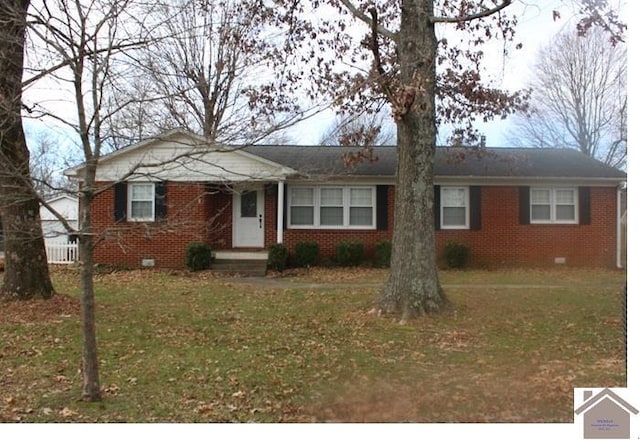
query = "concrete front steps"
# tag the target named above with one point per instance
(240, 262)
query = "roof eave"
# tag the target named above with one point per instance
(603, 180)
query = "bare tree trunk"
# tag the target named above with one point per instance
(90, 365)
(27, 273)
(26, 270)
(413, 288)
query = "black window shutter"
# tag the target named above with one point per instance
(436, 206)
(475, 208)
(524, 205)
(161, 200)
(284, 209)
(584, 205)
(382, 209)
(120, 202)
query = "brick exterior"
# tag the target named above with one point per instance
(327, 239)
(219, 211)
(127, 243)
(502, 241)
(200, 212)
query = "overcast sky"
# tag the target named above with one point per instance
(535, 30)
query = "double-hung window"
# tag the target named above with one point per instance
(141, 202)
(361, 206)
(454, 207)
(332, 207)
(301, 207)
(554, 205)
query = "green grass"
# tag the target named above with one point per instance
(192, 348)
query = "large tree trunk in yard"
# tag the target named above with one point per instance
(413, 288)
(26, 270)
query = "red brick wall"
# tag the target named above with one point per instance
(502, 241)
(219, 213)
(127, 243)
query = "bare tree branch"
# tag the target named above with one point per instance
(369, 21)
(469, 17)
(579, 97)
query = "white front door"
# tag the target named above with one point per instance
(248, 219)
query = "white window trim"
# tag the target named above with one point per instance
(346, 211)
(553, 220)
(466, 208)
(130, 200)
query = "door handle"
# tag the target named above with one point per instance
(260, 220)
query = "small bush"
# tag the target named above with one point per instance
(198, 256)
(350, 253)
(307, 253)
(382, 257)
(456, 255)
(277, 257)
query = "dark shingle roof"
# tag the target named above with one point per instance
(450, 162)
(325, 161)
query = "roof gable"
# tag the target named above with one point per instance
(179, 155)
(65, 205)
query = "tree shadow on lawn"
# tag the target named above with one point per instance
(533, 394)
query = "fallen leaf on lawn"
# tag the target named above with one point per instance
(205, 407)
(111, 389)
(66, 412)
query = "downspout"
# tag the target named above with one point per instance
(621, 187)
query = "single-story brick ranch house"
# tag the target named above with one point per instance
(511, 207)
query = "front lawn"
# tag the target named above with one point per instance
(177, 346)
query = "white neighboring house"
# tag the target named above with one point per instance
(61, 246)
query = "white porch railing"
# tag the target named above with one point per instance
(62, 253)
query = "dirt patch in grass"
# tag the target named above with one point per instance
(332, 275)
(544, 277)
(39, 310)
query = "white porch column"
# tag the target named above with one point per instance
(280, 212)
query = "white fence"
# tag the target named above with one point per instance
(62, 253)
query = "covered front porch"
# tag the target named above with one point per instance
(242, 220)
(245, 216)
